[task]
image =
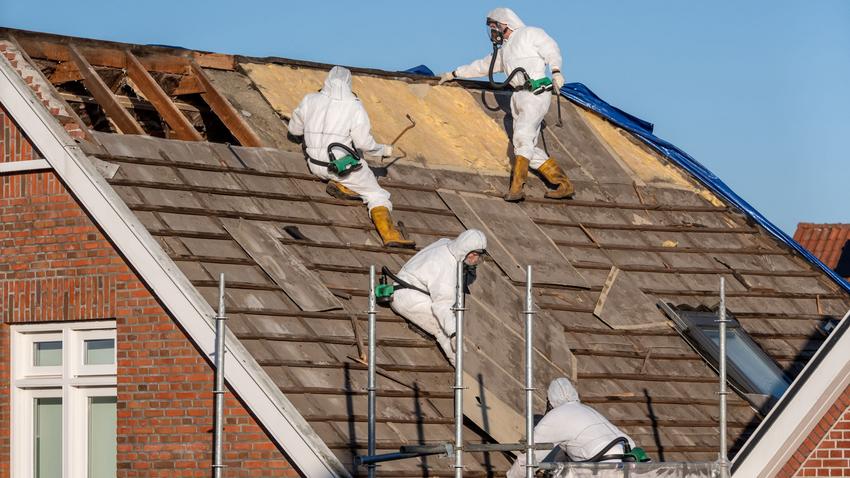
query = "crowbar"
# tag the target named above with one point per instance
(405, 130)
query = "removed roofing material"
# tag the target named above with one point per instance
(648, 382)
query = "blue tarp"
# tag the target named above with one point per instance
(419, 70)
(580, 94)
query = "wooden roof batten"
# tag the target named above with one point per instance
(81, 57)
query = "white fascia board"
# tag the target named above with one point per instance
(783, 430)
(24, 166)
(304, 448)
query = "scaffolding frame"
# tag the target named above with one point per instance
(219, 390)
(458, 448)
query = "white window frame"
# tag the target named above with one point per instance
(80, 422)
(80, 353)
(74, 382)
(28, 345)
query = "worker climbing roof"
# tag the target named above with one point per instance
(432, 274)
(523, 53)
(333, 121)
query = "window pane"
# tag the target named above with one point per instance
(48, 438)
(768, 380)
(47, 354)
(99, 352)
(102, 442)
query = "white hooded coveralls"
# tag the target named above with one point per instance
(532, 49)
(335, 115)
(434, 269)
(580, 430)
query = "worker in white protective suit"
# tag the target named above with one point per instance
(433, 271)
(578, 429)
(335, 115)
(531, 49)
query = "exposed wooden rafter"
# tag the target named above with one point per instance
(53, 91)
(228, 115)
(148, 86)
(104, 96)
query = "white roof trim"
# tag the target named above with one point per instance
(809, 397)
(304, 448)
(24, 166)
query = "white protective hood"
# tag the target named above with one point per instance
(506, 16)
(561, 391)
(468, 241)
(338, 84)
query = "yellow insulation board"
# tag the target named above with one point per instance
(452, 131)
(648, 167)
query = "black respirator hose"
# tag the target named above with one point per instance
(507, 82)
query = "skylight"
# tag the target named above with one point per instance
(751, 370)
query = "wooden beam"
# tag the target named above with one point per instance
(111, 54)
(217, 61)
(135, 103)
(143, 80)
(65, 72)
(104, 96)
(188, 85)
(225, 111)
(54, 93)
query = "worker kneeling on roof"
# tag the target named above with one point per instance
(335, 126)
(528, 49)
(582, 432)
(430, 278)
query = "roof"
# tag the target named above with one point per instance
(827, 241)
(641, 229)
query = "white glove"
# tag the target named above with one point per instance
(388, 151)
(447, 76)
(558, 80)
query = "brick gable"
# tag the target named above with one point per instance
(826, 451)
(57, 266)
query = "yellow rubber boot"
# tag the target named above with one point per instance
(518, 177)
(339, 191)
(386, 229)
(556, 176)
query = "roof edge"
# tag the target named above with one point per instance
(279, 417)
(809, 397)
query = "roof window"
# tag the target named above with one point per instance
(750, 370)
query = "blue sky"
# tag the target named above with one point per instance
(756, 90)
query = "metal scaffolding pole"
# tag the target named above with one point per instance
(458, 388)
(371, 380)
(724, 471)
(530, 464)
(218, 392)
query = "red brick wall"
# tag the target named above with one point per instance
(826, 451)
(55, 265)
